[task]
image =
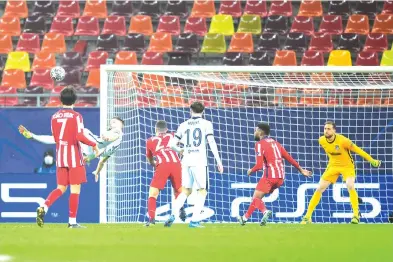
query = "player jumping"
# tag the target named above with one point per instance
(194, 134)
(108, 143)
(67, 130)
(167, 165)
(270, 156)
(338, 148)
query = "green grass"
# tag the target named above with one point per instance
(224, 242)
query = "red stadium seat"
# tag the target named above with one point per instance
(331, 24)
(29, 42)
(115, 25)
(256, 7)
(16, 9)
(41, 77)
(63, 25)
(232, 7)
(366, 58)
(8, 100)
(172, 96)
(387, 8)
(95, 59)
(376, 42)
(87, 26)
(80, 47)
(312, 58)
(69, 8)
(169, 24)
(203, 8)
(302, 24)
(204, 95)
(6, 44)
(283, 8)
(196, 25)
(286, 96)
(96, 8)
(321, 42)
(152, 58)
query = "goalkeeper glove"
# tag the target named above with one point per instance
(375, 163)
(26, 133)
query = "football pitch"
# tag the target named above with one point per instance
(215, 242)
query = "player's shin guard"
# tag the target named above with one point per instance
(73, 206)
(313, 203)
(178, 203)
(151, 207)
(198, 207)
(53, 196)
(353, 197)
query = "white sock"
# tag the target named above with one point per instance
(45, 208)
(72, 220)
(198, 207)
(178, 203)
(245, 218)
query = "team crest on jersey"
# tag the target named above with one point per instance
(337, 147)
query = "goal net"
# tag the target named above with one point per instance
(295, 101)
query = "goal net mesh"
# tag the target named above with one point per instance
(296, 105)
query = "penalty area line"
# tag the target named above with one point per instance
(5, 258)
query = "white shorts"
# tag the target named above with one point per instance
(195, 177)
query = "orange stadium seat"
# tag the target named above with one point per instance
(16, 8)
(285, 58)
(310, 8)
(54, 43)
(96, 8)
(369, 98)
(153, 82)
(141, 24)
(9, 25)
(5, 44)
(313, 97)
(43, 60)
(286, 96)
(241, 42)
(14, 77)
(160, 43)
(172, 96)
(383, 24)
(93, 79)
(126, 58)
(358, 24)
(203, 8)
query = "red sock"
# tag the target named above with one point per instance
(53, 196)
(151, 207)
(256, 203)
(73, 205)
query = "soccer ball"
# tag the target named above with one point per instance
(57, 73)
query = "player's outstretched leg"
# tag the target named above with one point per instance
(52, 197)
(266, 215)
(40, 216)
(198, 207)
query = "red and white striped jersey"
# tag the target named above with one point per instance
(67, 130)
(270, 157)
(157, 146)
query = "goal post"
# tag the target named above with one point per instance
(295, 101)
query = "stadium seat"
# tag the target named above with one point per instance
(268, 42)
(276, 25)
(93, 80)
(29, 42)
(44, 8)
(169, 24)
(280, 8)
(32, 101)
(179, 58)
(296, 42)
(383, 24)
(260, 59)
(285, 58)
(340, 58)
(69, 8)
(72, 77)
(233, 59)
(149, 8)
(341, 8)
(387, 7)
(126, 58)
(107, 43)
(42, 78)
(312, 58)
(214, 43)
(222, 24)
(54, 100)
(187, 43)
(210, 84)
(6, 44)
(177, 8)
(153, 82)
(9, 25)
(62, 25)
(368, 8)
(43, 60)
(172, 96)
(14, 77)
(35, 25)
(312, 97)
(96, 8)
(18, 60)
(54, 43)
(286, 96)
(310, 8)
(203, 8)
(87, 26)
(369, 98)
(350, 42)
(160, 43)
(331, 24)
(358, 24)
(115, 25)
(146, 98)
(88, 91)
(134, 42)
(366, 58)
(387, 58)
(152, 58)
(141, 24)
(16, 9)
(204, 95)
(72, 60)
(376, 42)
(8, 100)
(196, 25)
(256, 7)
(95, 59)
(302, 24)
(241, 42)
(232, 8)
(250, 24)
(122, 8)
(80, 47)
(321, 42)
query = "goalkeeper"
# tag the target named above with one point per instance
(338, 148)
(108, 143)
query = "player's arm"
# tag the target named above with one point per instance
(259, 161)
(45, 139)
(213, 146)
(80, 136)
(293, 162)
(100, 166)
(149, 154)
(174, 142)
(354, 148)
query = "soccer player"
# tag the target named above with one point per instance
(108, 143)
(67, 130)
(270, 157)
(194, 134)
(338, 148)
(167, 165)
